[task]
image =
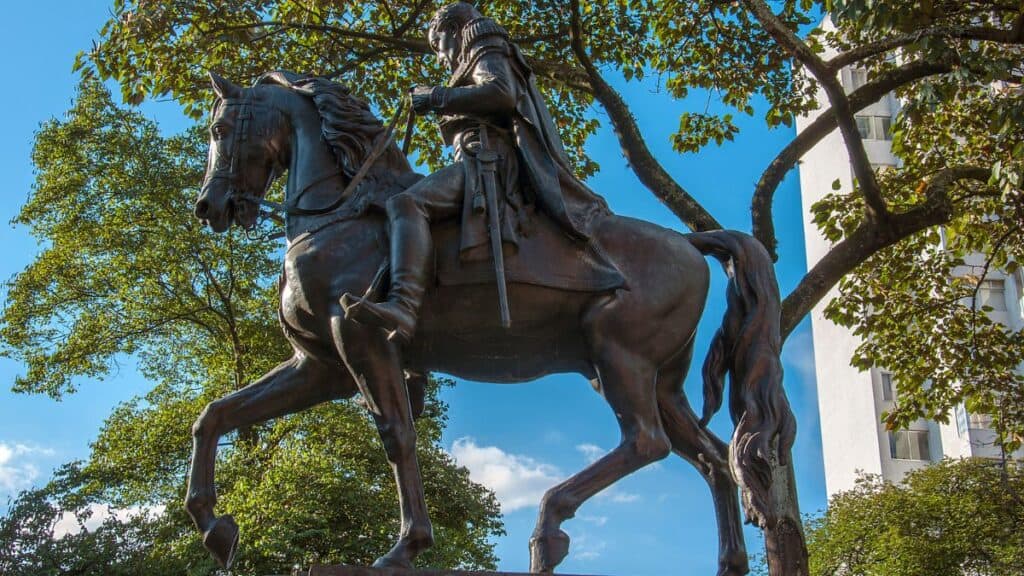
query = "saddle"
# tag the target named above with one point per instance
(546, 257)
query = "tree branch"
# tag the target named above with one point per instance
(870, 237)
(870, 49)
(412, 45)
(647, 168)
(824, 124)
(397, 40)
(398, 31)
(562, 73)
(787, 39)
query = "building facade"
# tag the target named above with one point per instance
(851, 402)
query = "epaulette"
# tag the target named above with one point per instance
(480, 28)
(479, 37)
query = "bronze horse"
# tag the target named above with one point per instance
(634, 344)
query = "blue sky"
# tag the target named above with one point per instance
(520, 439)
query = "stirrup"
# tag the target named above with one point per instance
(380, 314)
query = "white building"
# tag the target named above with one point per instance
(851, 402)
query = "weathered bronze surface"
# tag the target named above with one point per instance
(362, 302)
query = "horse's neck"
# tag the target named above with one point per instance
(314, 179)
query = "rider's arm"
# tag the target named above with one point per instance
(492, 92)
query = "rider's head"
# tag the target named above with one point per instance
(445, 31)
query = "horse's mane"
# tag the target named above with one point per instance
(351, 130)
(347, 123)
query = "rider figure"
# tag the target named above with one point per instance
(491, 89)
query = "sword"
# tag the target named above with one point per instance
(488, 158)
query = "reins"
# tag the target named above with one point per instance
(383, 142)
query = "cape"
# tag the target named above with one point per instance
(563, 196)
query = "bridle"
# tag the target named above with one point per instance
(243, 134)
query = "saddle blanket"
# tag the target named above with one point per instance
(546, 257)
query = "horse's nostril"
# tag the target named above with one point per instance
(202, 207)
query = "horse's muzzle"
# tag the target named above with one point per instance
(213, 210)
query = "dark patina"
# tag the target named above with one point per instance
(399, 275)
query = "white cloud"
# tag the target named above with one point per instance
(17, 472)
(798, 358)
(68, 523)
(798, 354)
(595, 520)
(622, 497)
(592, 452)
(554, 437)
(584, 547)
(518, 481)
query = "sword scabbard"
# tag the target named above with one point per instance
(488, 160)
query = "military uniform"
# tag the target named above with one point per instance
(491, 89)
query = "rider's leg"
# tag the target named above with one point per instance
(410, 213)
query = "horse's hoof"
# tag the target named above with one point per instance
(221, 540)
(387, 561)
(735, 564)
(548, 551)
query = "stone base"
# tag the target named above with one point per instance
(342, 570)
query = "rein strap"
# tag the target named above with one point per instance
(364, 169)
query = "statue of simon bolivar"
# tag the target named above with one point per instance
(505, 145)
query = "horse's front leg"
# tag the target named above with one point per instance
(627, 383)
(290, 387)
(376, 368)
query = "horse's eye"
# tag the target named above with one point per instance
(219, 131)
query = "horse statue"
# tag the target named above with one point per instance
(634, 343)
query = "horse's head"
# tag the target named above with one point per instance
(244, 157)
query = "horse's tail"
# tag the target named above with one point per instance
(747, 347)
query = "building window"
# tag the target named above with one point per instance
(980, 421)
(888, 388)
(858, 78)
(1018, 284)
(992, 293)
(961, 420)
(874, 127)
(909, 445)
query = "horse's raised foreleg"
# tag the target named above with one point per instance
(290, 387)
(375, 364)
(627, 383)
(710, 456)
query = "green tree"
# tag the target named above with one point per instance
(114, 547)
(953, 518)
(955, 65)
(126, 270)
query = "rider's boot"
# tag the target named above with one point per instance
(411, 250)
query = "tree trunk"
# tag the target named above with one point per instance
(784, 541)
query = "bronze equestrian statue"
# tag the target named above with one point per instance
(612, 298)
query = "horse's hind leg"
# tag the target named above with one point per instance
(375, 364)
(290, 387)
(627, 383)
(709, 455)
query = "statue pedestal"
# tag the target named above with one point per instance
(342, 570)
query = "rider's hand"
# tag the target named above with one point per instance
(422, 99)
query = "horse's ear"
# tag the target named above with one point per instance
(223, 87)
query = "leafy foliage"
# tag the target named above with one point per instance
(125, 269)
(915, 304)
(116, 547)
(953, 518)
(128, 271)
